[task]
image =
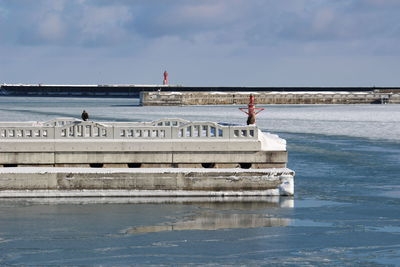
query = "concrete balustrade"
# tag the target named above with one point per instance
(163, 143)
(84, 129)
(169, 122)
(23, 132)
(161, 129)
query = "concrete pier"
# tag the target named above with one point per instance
(168, 157)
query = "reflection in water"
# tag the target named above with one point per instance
(214, 221)
(215, 217)
(210, 213)
(253, 204)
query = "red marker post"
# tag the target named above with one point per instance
(165, 81)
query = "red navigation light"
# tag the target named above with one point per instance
(165, 81)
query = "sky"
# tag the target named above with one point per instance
(201, 42)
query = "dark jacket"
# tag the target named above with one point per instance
(85, 116)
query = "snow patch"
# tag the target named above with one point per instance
(237, 172)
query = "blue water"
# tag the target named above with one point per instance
(346, 211)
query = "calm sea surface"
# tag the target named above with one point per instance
(346, 211)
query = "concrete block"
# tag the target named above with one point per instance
(185, 180)
(22, 181)
(26, 158)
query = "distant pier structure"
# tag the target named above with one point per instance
(86, 90)
(166, 94)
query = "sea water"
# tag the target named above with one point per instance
(345, 212)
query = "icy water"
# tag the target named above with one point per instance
(346, 211)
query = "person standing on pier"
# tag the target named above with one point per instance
(85, 115)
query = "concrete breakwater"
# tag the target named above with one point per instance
(232, 98)
(134, 90)
(85, 182)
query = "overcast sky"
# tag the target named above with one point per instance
(201, 42)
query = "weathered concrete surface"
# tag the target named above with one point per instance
(260, 181)
(231, 98)
(155, 159)
(236, 200)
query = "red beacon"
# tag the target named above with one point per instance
(251, 111)
(165, 81)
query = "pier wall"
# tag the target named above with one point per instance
(231, 98)
(16, 182)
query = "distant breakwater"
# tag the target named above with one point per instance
(194, 92)
(305, 97)
(183, 95)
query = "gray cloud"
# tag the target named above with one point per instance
(60, 22)
(82, 22)
(229, 41)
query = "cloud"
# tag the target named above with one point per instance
(259, 22)
(51, 27)
(323, 19)
(101, 24)
(188, 19)
(219, 38)
(60, 22)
